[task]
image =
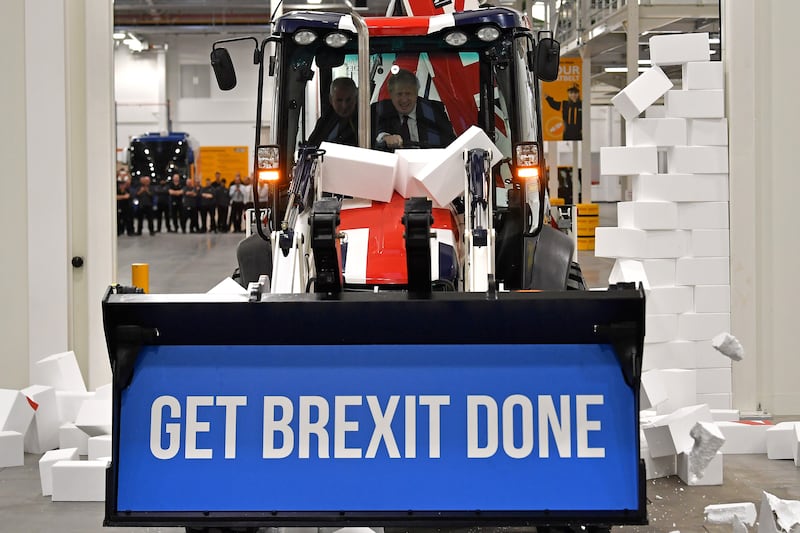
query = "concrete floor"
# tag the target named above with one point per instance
(195, 263)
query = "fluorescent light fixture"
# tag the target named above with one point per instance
(314, 1)
(119, 35)
(622, 69)
(714, 40)
(645, 62)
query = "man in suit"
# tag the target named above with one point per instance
(410, 120)
(340, 123)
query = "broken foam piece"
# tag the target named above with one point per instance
(728, 345)
(708, 439)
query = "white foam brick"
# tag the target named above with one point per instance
(60, 371)
(663, 300)
(724, 513)
(713, 380)
(703, 215)
(642, 92)
(42, 433)
(710, 243)
(69, 436)
(695, 104)
(703, 75)
(725, 415)
(15, 411)
(679, 48)
(647, 215)
(712, 475)
(409, 164)
(701, 326)
(652, 390)
(656, 132)
(781, 443)
(716, 400)
(99, 447)
(681, 385)
(46, 463)
(744, 437)
(680, 187)
(357, 172)
(660, 328)
(797, 445)
(660, 272)
(625, 160)
(669, 434)
(707, 132)
(628, 271)
(668, 355)
(79, 481)
(712, 299)
(443, 178)
(697, 159)
(69, 403)
(777, 515)
(702, 271)
(94, 418)
(644, 244)
(657, 467)
(12, 452)
(655, 111)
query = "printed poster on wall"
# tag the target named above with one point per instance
(227, 160)
(562, 103)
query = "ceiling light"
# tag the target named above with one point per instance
(714, 40)
(622, 69)
(119, 35)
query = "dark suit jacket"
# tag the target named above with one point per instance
(332, 128)
(433, 126)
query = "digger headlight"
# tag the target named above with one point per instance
(526, 160)
(336, 39)
(455, 38)
(304, 37)
(268, 163)
(488, 33)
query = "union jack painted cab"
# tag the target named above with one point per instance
(480, 66)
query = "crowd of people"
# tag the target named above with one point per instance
(182, 205)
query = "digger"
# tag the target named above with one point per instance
(407, 354)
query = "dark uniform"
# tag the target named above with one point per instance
(208, 203)
(161, 197)
(190, 199)
(124, 208)
(222, 200)
(176, 205)
(144, 196)
(571, 114)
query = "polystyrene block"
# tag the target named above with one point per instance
(701, 326)
(695, 104)
(12, 449)
(713, 380)
(724, 513)
(645, 244)
(42, 433)
(680, 187)
(702, 271)
(357, 172)
(626, 160)
(703, 75)
(46, 463)
(69, 403)
(778, 516)
(716, 400)
(744, 437)
(725, 415)
(627, 271)
(679, 48)
(60, 371)
(647, 215)
(671, 354)
(655, 111)
(16, 412)
(706, 356)
(681, 385)
(670, 434)
(105, 392)
(781, 442)
(663, 300)
(409, 164)
(656, 132)
(707, 132)
(712, 475)
(796, 451)
(228, 286)
(710, 243)
(69, 436)
(712, 299)
(703, 215)
(641, 92)
(660, 272)
(657, 467)
(94, 418)
(652, 390)
(99, 446)
(697, 159)
(79, 481)
(443, 178)
(660, 328)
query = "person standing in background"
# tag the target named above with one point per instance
(175, 190)
(223, 200)
(161, 198)
(236, 194)
(124, 209)
(207, 205)
(144, 197)
(190, 193)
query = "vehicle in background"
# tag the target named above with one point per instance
(160, 155)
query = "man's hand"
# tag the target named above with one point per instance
(393, 141)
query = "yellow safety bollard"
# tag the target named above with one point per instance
(140, 276)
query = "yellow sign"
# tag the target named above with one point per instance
(561, 103)
(227, 160)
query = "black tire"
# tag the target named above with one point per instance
(575, 279)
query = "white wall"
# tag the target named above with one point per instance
(144, 88)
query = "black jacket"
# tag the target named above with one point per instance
(333, 128)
